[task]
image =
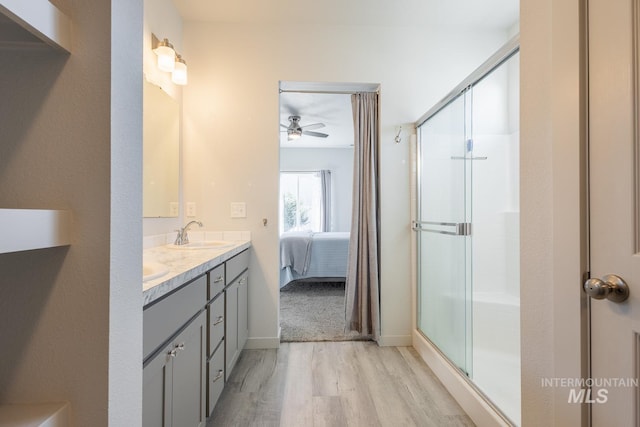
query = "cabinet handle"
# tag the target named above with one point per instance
(174, 351)
(220, 372)
(219, 320)
(218, 279)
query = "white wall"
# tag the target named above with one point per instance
(231, 132)
(70, 139)
(162, 19)
(340, 162)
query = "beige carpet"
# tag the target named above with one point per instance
(313, 311)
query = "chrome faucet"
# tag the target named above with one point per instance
(183, 238)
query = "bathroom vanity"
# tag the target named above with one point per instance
(195, 324)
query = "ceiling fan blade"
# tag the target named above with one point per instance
(312, 126)
(283, 126)
(317, 134)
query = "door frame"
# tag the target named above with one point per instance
(634, 22)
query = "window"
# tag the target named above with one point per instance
(300, 201)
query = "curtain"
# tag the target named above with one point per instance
(325, 182)
(362, 304)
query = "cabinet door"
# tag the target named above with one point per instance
(156, 390)
(231, 327)
(189, 365)
(216, 282)
(243, 310)
(215, 382)
(215, 320)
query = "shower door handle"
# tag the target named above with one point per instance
(454, 228)
(611, 287)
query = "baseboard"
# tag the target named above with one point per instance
(395, 341)
(262, 343)
(478, 409)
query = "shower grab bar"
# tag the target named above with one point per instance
(461, 228)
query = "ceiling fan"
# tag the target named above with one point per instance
(295, 131)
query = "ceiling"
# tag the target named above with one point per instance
(320, 102)
(462, 13)
(334, 110)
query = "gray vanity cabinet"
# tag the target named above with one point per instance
(216, 329)
(174, 366)
(189, 367)
(192, 338)
(156, 390)
(173, 380)
(215, 378)
(236, 299)
(243, 310)
(231, 327)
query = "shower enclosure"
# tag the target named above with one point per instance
(467, 225)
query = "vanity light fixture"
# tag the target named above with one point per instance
(179, 74)
(169, 60)
(166, 54)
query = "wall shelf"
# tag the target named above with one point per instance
(33, 23)
(27, 229)
(35, 415)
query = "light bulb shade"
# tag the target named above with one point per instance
(179, 74)
(166, 56)
(293, 134)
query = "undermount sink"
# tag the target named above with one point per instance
(203, 244)
(153, 270)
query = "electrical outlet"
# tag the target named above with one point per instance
(173, 209)
(238, 210)
(191, 209)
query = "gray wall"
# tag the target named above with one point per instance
(70, 138)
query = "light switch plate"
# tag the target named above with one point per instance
(238, 210)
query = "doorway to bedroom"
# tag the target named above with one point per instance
(315, 202)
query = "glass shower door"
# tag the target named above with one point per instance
(443, 226)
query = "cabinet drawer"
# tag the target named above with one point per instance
(215, 311)
(237, 265)
(215, 379)
(216, 282)
(165, 317)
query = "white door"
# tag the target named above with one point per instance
(614, 216)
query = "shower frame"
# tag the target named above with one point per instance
(506, 52)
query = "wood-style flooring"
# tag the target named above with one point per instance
(354, 383)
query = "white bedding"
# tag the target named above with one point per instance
(327, 258)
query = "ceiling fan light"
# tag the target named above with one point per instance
(293, 134)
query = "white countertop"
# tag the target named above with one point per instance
(184, 265)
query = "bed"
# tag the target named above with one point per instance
(313, 256)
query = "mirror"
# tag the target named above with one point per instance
(161, 153)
